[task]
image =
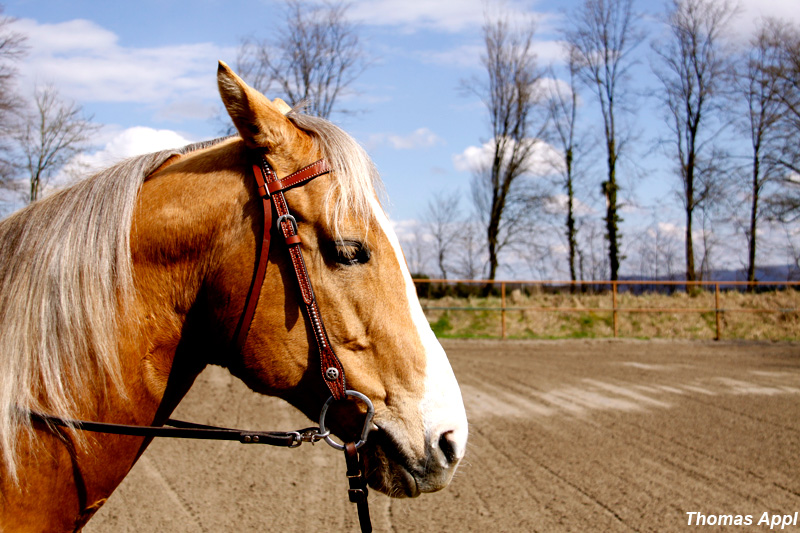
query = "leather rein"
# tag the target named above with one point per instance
(270, 190)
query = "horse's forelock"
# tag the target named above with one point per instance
(357, 181)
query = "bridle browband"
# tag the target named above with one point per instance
(270, 190)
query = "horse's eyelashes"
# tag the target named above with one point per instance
(349, 252)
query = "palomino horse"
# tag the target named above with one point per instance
(117, 292)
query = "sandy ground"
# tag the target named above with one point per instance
(565, 436)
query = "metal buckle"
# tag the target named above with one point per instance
(367, 420)
(291, 219)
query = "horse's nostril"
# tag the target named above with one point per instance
(448, 447)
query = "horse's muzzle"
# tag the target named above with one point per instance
(394, 469)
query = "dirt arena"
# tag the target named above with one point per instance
(565, 436)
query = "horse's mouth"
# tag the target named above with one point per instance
(394, 470)
(389, 469)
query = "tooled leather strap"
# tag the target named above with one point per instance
(271, 188)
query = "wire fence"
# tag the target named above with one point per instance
(492, 297)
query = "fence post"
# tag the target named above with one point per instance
(717, 311)
(614, 306)
(503, 306)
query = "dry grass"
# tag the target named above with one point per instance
(764, 316)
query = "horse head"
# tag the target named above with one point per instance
(365, 295)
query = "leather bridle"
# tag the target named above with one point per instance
(270, 191)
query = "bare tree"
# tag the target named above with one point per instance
(12, 49)
(591, 258)
(786, 40)
(441, 219)
(758, 85)
(510, 95)
(693, 70)
(563, 125)
(793, 253)
(603, 34)
(314, 58)
(468, 262)
(416, 250)
(55, 133)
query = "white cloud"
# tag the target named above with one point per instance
(557, 205)
(408, 229)
(549, 52)
(473, 158)
(419, 138)
(469, 55)
(449, 16)
(754, 10)
(442, 15)
(466, 56)
(546, 88)
(138, 140)
(544, 159)
(669, 229)
(87, 63)
(673, 230)
(67, 37)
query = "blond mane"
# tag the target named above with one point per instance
(65, 267)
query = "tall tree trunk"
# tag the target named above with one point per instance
(751, 255)
(34, 188)
(571, 231)
(492, 233)
(691, 275)
(610, 189)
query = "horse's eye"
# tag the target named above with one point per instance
(351, 253)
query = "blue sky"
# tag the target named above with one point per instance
(146, 71)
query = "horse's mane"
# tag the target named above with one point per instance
(65, 265)
(66, 271)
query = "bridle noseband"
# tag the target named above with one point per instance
(270, 190)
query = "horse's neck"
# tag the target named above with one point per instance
(167, 333)
(174, 248)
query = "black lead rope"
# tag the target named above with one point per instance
(180, 429)
(189, 430)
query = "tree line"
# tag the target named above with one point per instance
(550, 128)
(730, 130)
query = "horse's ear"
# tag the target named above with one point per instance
(282, 106)
(261, 123)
